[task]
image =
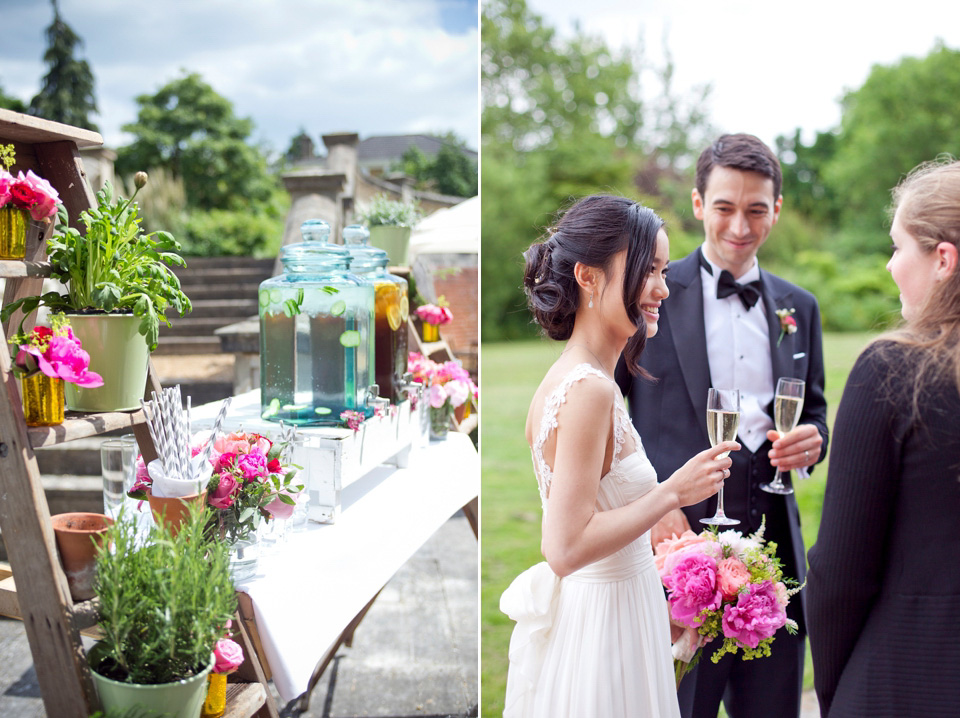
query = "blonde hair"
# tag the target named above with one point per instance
(927, 202)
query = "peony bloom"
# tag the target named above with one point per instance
(756, 616)
(732, 575)
(228, 656)
(437, 396)
(222, 496)
(280, 510)
(58, 354)
(458, 391)
(672, 546)
(6, 180)
(253, 465)
(693, 587)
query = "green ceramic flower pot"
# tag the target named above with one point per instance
(118, 353)
(182, 699)
(395, 241)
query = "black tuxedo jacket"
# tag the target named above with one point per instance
(670, 410)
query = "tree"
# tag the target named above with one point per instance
(904, 114)
(189, 129)
(450, 171)
(67, 92)
(8, 102)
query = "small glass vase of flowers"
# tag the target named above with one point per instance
(22, 197)
(433, 316)
(44, 358)
(447, 386)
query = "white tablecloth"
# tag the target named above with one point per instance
(307, 592)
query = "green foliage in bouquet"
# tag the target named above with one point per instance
(163, 605)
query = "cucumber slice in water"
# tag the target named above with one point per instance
(350, 338)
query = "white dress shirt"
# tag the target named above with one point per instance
(738, 352)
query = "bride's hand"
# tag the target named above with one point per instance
(702, 476)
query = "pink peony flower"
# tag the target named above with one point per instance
(756, 616)
(458, 391)
(228, 656)
(280, 510)
(672, 546)
(6, 179)
(46, 198)
(437, 396)
(732, 575)
(253, 465)
(692, 586)
(222, 496)
(58, 354)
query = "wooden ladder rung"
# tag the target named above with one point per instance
(244, 699)
(19, 269)
(79, 425)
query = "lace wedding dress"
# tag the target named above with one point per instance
(595, 644)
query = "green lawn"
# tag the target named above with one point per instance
(510, 526)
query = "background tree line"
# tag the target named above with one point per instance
(211, 186)
(566, 117)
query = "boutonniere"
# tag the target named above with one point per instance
(788, 325)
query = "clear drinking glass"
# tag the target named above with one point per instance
(723, 420)
(117, 458)
(787, 405)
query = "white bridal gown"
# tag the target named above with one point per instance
(595, 644)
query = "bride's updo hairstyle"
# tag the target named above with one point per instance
(592, 232)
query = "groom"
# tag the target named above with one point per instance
(720, 328)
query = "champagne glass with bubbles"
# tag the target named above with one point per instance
(787, 404)
(723, 420)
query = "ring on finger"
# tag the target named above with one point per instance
(726, 473)
(806, 455)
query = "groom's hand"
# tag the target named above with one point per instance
(797, 449)
(674, 522)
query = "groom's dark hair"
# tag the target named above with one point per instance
(740, 152)
(592, 232)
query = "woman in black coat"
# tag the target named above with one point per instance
(883, 594)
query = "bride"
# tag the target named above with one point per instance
(592, 637)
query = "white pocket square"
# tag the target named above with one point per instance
(801, 355)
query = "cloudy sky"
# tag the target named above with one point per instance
(773, 66)
(371, 66)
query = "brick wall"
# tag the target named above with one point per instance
(460, 289)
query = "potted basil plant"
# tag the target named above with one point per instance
(164, 605)
(391, 223)
(119, 289)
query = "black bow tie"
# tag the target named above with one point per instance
(749, 293)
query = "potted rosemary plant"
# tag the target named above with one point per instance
(119, 287)
(391, 223)
(163, 607)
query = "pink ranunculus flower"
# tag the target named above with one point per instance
(222, 496)
(253, 465)
(692, 585)
(437, 396)
(228, 656)
(732, 575)
(756, 616)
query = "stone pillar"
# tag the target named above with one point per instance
(342, 157)
(314, 194)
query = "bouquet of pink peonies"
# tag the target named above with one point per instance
(436, 314)
(724, 584)
(55, 352)
(249, 483)
(26, 191)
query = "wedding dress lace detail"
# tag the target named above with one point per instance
(548, 423)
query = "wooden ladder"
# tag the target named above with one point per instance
(33, 587)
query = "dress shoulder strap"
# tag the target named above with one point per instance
(548, 423)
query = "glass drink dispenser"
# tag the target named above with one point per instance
(392, 308)
(316, 335)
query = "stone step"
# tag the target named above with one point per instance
(189, 277)
(172, 344)
(229, 310)
(227, 290)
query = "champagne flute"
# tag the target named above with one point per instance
(723, 419)
(787, 405)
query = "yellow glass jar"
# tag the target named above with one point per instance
(13, 232)
(42, 400)
(215, 704)
(431, 332)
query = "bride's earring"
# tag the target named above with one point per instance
(590, 305)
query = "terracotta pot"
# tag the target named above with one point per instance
(175, 510)
(78, 536)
